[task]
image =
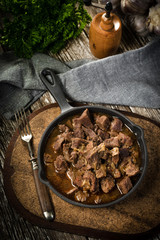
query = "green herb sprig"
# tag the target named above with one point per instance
(31, 26)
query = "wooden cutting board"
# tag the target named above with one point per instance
(135, 217)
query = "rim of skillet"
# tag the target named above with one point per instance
(137, 130)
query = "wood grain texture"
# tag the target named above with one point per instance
(125, 218)
(43, 195)
(14, 227)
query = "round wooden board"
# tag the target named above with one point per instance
(136, 216)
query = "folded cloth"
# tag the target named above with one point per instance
(131, 78)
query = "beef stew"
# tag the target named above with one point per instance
(92, 158)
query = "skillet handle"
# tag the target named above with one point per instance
(52, 83)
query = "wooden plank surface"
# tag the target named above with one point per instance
(11, 225)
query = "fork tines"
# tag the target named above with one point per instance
(22, 122)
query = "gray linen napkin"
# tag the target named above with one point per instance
(131, 78)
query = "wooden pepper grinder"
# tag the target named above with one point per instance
(105, 33)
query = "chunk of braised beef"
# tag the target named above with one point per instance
(101, 147)
(77, 178)
(102, 134)
(91, 154)
(125, 140)
(111, 168)
(90, 181)
(64, 136)
(95, 127)
(78, 142)
(89, 146)
(48, 158)
(97, 199)
(94, 155)
(81, 196)
(131, 169)
(115, 155)
(116, 173)
(116, 125)
(78, 132)
(58, 142)
(63, 128)
(125, 185)
(115, 159)
(129, 166)
(74, 156)
(101, 172)
(66, 151)
(114, 151)
(124, 152)
(113, 134)
(80, 163)
(60, 164)
(122, 164)
(90, 133)
(107, 184)
(83, 120)
(112, 142)
(135, 153)
(87, 166)
(78, 181)
(103, 122)
(93, 159)
(103, 152)
(67, 136)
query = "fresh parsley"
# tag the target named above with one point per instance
(31, 26)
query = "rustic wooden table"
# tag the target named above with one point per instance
(12, 226)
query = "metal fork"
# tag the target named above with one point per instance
(26, 136)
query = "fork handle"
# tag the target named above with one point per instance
(43, 196)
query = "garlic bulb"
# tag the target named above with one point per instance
(135, 6)
(154, 19)
(138, 24)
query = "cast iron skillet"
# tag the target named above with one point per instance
(50, 80)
